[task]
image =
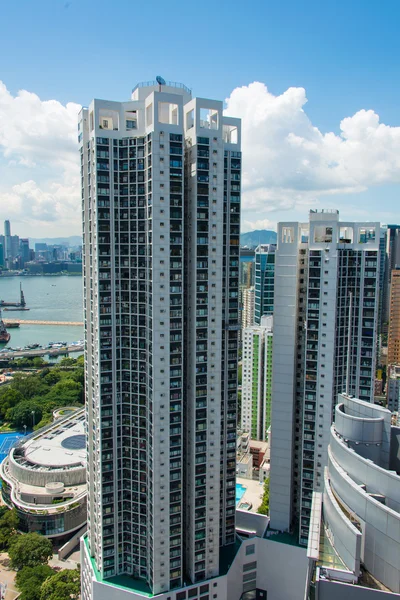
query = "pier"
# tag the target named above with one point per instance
(32, 322)
(65, 350)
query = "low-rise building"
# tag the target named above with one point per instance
(44, 479)
(393, 387)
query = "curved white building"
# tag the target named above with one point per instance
(355, 523)
(44, 478)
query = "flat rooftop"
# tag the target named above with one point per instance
(63, 445)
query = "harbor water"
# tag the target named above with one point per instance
(49, 299)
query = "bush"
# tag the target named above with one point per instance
(264, 507)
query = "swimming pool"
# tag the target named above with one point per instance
(7, 441)
(240, 490)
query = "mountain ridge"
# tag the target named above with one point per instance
(260, 236)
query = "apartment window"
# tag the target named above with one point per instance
(250, 549)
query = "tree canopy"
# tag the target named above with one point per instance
(42, 392)
(64, 585)
(29, 550)
(8, 526)
(30, 579)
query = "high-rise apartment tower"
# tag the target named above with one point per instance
(161, 218)
(325, 322)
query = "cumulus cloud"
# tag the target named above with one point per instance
(287, 162)
(38, 142)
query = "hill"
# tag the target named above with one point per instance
(73, 240)
(261, 236)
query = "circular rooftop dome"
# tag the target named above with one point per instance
(74, 442)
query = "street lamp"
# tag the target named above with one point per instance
(33, 419)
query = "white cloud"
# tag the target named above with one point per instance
(288, 163)
(38, 140)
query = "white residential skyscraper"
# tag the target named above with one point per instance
(161, 217)
(325, 320)
(257, 378)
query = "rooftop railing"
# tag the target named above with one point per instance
(153, 83)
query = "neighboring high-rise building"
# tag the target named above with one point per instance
(392, 259)
(248, 307)
(393, 356)
(257, 379)
(246, 272)
(161, 219)
(7, 240)
(1, 255)
(264, 281)
(356, 516)
(325, 324)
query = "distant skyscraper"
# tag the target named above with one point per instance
(14, 246)
(393, 357)
(24, 250)
(161, 287)
(264, 281)
(325, 324)
(257, 379)
(7, 240)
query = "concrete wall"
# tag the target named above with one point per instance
(381, 525)
(39, 478)
(333, 590)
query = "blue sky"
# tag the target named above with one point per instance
(344, 54)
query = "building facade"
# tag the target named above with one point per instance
(391, 260)
(264, 281)
(161, 218)
(393, 356)
(257, 379)
(325, 324)
(354, 537)
(248, 296)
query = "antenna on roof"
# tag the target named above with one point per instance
(161, 81)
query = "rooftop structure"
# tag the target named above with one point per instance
(44, 478)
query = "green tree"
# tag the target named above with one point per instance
(8, 526)
(29, 550)
(22, 413)
(29, 581)
(65, 585)
(38, 361)
(8, 399)
(29, 385)
(264, 507)
(67, 361)
(64, 392)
